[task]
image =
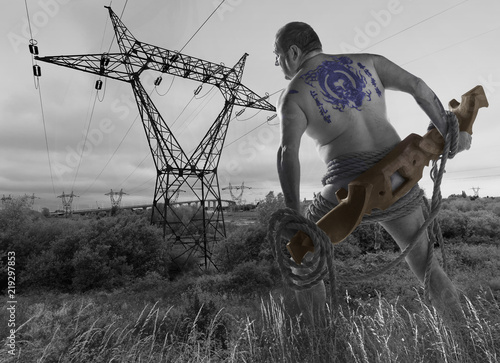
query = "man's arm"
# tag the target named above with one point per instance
(293, 123)
(395, 77)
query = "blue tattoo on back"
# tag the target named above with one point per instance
(340, 84)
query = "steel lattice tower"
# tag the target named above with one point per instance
(198, 172)
(116, 202)
(67, 201)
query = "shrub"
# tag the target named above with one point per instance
(484, 223)
(268, 206)
(242, 245)
(251, 278)
(454, 224)
(102, 253)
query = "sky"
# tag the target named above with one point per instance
(451, 44)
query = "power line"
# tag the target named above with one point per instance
(245, 134)
(414, 25)
(28, 16)
(85, 141)
(184, 109)
(198, 110)
(146, 182)
(201, 26)
(248, 118)
(453, 45)
(137, 167)
(469, 170)
(46, 139)
(476, 177)
(34, 50)
(112, 155)
(92, 113)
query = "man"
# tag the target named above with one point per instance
(339, 101)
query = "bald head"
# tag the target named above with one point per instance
(300, 34)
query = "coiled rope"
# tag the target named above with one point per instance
(317, 266)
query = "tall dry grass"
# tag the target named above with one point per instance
(80, 329)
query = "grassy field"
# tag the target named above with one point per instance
(125, 306)
(160, 321)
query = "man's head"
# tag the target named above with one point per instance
(293, 44)
(300, 34)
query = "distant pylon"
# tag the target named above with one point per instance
(116, 202)
(67, 200)
(236, 198)
(31, 199)
(476, 191)
(175, 195)
(5, 199)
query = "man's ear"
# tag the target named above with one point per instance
(295, 52)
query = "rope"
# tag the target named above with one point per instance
(316, 267)
(313, 269)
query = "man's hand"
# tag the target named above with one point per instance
(464, 141)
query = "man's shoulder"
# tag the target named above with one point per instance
(288, 96)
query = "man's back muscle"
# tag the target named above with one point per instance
(343, 100)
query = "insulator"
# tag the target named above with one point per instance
(33, 46)
(198, 90)
(263, 98)
(37, 71)
(98, 84)
(104, 60)
(219, 68)
(33, 49)
(240, 112)
(174, 58)
(158, 81)
(271, 117)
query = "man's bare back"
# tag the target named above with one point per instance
(343, 100)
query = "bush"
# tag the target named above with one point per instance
(89, 254)
(484, 223)
(268, 206)
(244, 244)
(454, 224)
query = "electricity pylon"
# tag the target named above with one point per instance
(6, 200)
(30, 199)
(67, 201)
(237, 198)
(175, 169)
(116, 202)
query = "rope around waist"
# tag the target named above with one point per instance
(351, 166)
